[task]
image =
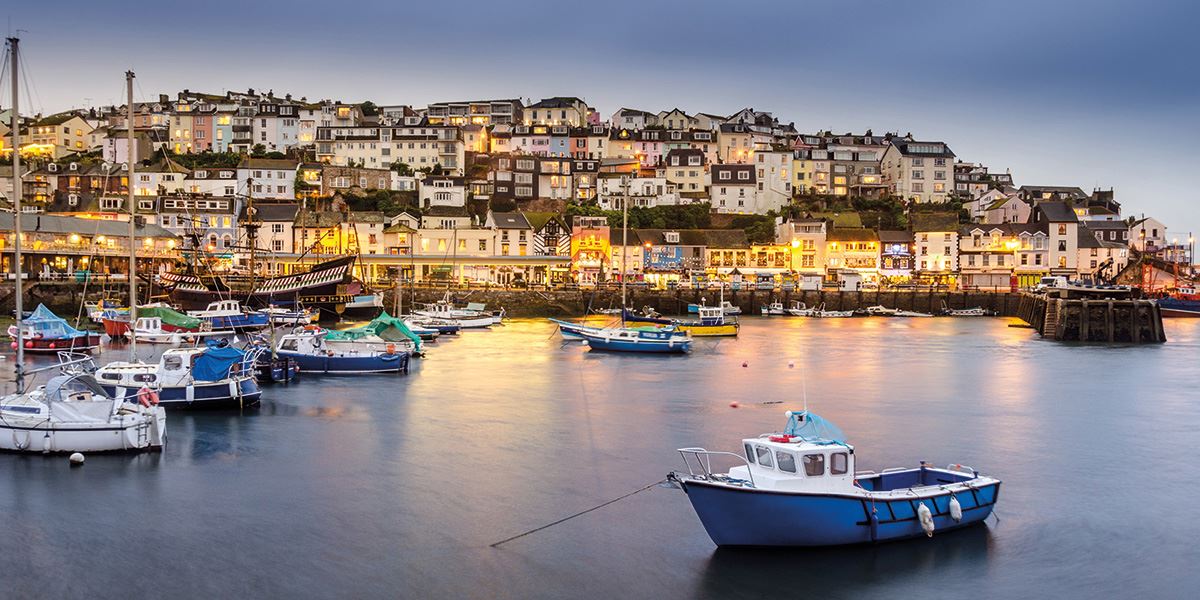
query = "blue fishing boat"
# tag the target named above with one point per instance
(228, 314)
(665, 340)
(309, 350)
(214, 376)
(799, 488)
(1183, 302)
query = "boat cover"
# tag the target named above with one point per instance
(385, 327)
(214, 363)
(49, 325)
(812, 428)
(170, 317)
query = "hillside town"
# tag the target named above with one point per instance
(521, 193)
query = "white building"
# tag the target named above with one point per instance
(644, 192)
(267, 178)
(442, 191)
(919, 171)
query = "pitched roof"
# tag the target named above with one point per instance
(937, 221)
(538, 220)
(895, 236)
(852, 234)
(509, 220)
(923, 149)
(275, 212)
(1056, 212)
(446, 211)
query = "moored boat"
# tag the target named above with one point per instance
(712, 322)
(1182, 302)
(214, 376)
(799, 309)
(385, 334)
(800, 488)
(277, 315)
(309, 350)
(72, 413)
(44, 332)
(773, 309)
(666, 340)
(229, 314)
(726, 307)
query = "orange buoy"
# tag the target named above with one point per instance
(734, 404)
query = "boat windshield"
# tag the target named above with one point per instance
(64, 387)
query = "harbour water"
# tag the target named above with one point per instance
(393, 486)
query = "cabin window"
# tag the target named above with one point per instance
(838, 462)
(764, 456)
(112, 376)
(814, 465)
(749, 453)
(172, 363)
(288, 345)
(144, 377)
(786, 461)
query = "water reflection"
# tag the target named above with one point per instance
(905, 567)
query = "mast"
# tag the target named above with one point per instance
(131, 158)
(251, 230)
(624, 241)
(13, 44)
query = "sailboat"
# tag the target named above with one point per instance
(211, 377)
(71, 413)
(664, 340)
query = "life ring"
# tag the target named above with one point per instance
(147, 397)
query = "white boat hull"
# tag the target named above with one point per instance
(128, 432)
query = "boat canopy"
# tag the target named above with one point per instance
(214, 363)
(385, 327)
(62, 387)
(49, 325)
(812, 428)
(170, 317)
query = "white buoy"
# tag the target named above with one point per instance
(955, 509)
(76, 459)
(583, 343)
(926, 519)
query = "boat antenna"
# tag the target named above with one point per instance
(131, 157)
(13, 49)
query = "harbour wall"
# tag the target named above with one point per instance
(64, 298)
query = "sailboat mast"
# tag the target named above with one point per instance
(13, 44)
(131, 159)
(624, 241)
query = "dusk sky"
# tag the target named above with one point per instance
(1082, 93)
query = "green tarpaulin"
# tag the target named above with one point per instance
(385, 327)
(169, 317)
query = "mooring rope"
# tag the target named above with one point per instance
(580, 513)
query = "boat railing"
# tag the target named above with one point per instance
(703, 460)
(72, 363)
(963, 469)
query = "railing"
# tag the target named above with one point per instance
(703, 460)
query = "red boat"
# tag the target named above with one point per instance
(46, 333)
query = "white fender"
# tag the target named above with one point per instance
(955, 509)
(926, 518)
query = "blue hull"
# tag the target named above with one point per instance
(238, 322)
(1178, 307)
(348, 365)
(205, 395)
(656, 347)
(748, 517)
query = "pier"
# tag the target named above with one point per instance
(1108, 316)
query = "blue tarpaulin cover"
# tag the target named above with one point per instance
(49, 325)
(214, 364)
(812, 428)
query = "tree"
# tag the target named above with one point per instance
(402, 169)
(368, 109)
(258, 151)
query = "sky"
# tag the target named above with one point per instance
(1087, 93)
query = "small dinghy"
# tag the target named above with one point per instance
(799, 488)
(798, 309)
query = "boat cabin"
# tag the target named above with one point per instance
(711, 315)
(174, 369)
(221, 307)
(153, 324)
(789, 463)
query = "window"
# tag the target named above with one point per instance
(277, 245)
(839, 462)
(276, 227)
(749, 453)
(786, 461)
(764, 456)
(744, 175)
(1062, 229)
(814, 465)
(482, 245)
(724, 176)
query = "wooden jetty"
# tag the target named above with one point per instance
(1109, 314)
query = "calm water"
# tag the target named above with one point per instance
(391, 486)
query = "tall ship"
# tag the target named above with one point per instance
(328, 287)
